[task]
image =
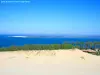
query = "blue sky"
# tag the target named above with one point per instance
(73, 17)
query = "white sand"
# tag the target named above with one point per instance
(56, 62)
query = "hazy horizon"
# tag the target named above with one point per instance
(66, 35)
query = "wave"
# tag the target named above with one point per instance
(19, 36)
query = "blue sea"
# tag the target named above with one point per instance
(6, 41)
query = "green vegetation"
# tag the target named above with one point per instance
(38, 47)
(79, 45)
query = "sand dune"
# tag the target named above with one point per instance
(45, 62)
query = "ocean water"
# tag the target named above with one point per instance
(6, 41)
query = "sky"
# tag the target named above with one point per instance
(74, 17)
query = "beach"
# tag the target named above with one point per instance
(49, 62)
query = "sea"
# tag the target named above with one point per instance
(6, 40)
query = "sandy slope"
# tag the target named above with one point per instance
(56, 62)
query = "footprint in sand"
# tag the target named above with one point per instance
(27, 57)
(82, 57)
(12, 57)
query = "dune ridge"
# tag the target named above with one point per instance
(49, 62)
